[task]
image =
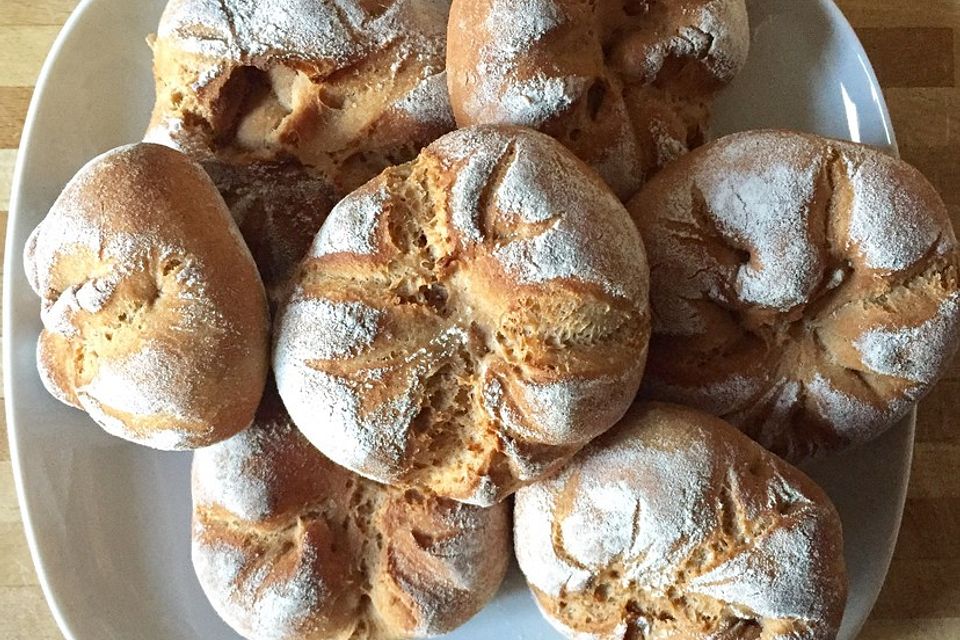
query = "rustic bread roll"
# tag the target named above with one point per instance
(155, 320)
(338, 90)
(468, 321)
(804, 289)
(675, 525)
(625, 84)
(287, 545)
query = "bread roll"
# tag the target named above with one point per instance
(626, 85)
(468, 321)
(154, 318)
(804, 289)
(336, 90)
(289, 546)
(675, 525)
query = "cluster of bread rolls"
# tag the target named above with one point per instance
(453, 316)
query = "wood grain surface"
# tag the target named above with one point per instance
(912, 45)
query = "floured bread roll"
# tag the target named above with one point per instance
(804, 289)
(675, 525)
(154, 318)
(627, 85)
(288, 546)
(468, 321)
(334, 91)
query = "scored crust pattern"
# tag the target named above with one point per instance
(804, 289)
(625, 84)
(288, 545)
(468, 321)
(674, 525)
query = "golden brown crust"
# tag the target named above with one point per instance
(468, 321)
(155, 320)
(804, 289)
(625, 85)
(675, 525)
(288, 544)
(340, 94)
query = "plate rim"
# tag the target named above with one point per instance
(12, 253)
(839, 18)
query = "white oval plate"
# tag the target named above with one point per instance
(108, 522)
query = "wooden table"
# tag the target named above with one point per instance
(912, 46)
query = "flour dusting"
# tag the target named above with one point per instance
(914, 353)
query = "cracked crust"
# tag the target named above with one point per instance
(625, 84)
(305, 98)
(675, 525)
(155, 320)
(287, 544)
(461, 323)
(804, 289)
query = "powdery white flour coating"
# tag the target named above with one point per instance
(279, 607)
(825, 272)
(242, 28)
(238, 476)
(673, 524)
(764, 211)
(755, 579)
(330, 409)
(888, 224)
(914, 353)
(520, 25)
(555, 409)
(288, 546)
(336, 30)
(542, 188)
(853, 414)
(437, 370)
(341, 328)
(530, 101)
(75, 231)
(721, 398)
(428, 101)
(148, 382)
(469, 184)
(605, 520)
(598, 74)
